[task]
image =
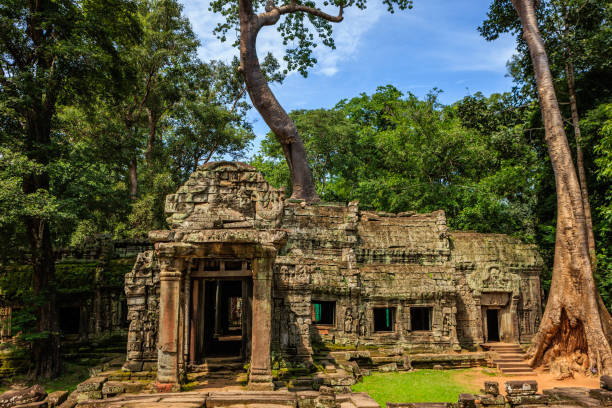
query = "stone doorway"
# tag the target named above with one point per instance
(220, 320)
(492, 325)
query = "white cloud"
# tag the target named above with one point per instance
(347, 35)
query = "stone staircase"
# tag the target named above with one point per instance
(510, 360)
(217, 372)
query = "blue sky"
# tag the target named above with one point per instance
(435, 44)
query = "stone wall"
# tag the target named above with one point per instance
(360, 261)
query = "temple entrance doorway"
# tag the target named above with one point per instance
(220, 318)
(492, 325)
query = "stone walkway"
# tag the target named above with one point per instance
(250, 399)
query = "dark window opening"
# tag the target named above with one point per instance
(69, 320)
(420, 318)
(323, 312)
(384, 319)
(125, 323)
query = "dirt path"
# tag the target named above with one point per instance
(477, 376)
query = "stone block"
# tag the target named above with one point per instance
(386, 368)
(91, 384)
(491, 387)
(57, 398)
(25, 396)
(527, 399)
(112, 388)
(527, 387)
(466, 401)
(89, 395)
(605, 382)
(38, 404)
(604, 396)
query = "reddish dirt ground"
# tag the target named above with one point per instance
(544, 379)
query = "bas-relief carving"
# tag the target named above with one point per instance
(492, 278)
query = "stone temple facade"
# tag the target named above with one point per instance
(244, 271)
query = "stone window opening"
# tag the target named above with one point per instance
(323, 312)
(420, 318)
(69, 319)
(384, 319)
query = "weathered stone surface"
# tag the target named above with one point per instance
(56, 398)
(112, 388)
(388, 368)
(491, 387)
(91, 384)
(24, 396)
(605, 382)
(527, 399)
(527, 387)
(466, 401)
(576, 396)
(604, 396)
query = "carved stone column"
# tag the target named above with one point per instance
(261, 374)
(168, 347)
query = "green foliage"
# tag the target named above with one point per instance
(296, 29)
(396, 153)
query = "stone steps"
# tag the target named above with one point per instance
(511, 360)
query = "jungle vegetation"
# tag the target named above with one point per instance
(105, 108)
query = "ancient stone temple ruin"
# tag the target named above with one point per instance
(245, 271)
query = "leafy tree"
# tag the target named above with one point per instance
(295, 20)
(51, 51)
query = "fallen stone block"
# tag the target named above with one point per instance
(112, 388)
(527, 387)
(604, 396)
(38, 404)
(91, 384)
(576, 396)
(89, 395)
(605, 382)
(466, 401)
(491, 387)
(25, 396)
(387, 368)
(56, 398)
(489, 399)
(527, 399)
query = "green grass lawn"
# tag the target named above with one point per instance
(418, 386)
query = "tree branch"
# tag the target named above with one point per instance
(273, 13)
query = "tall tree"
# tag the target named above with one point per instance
(51, 50)
(576, 328)
(297, 16)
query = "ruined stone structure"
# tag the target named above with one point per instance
(245, 271)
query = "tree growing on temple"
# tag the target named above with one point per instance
(296, 19)
(576, 328)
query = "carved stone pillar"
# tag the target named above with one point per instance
(261, 374)
(168, 347)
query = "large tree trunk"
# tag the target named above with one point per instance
(569, 73)
(270, 109)
(46, 349)
(134, 179)
(574, 332)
